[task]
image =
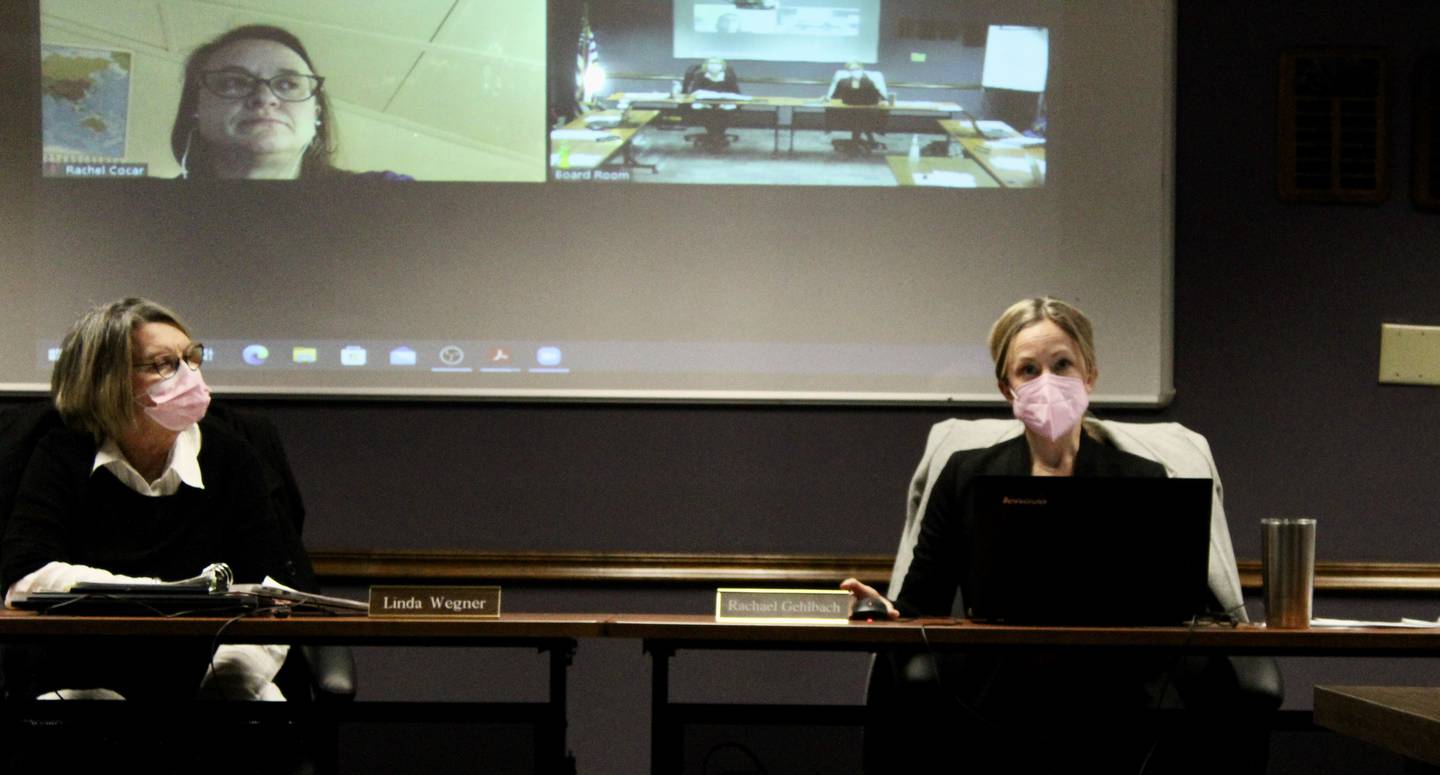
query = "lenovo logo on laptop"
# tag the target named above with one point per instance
(1011, 501)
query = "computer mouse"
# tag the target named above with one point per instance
(870, 609)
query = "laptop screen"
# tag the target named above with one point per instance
(1088, 550)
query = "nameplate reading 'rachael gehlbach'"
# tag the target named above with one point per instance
(793, 606)
(469, 602)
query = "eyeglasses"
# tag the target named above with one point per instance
(165, 366)
(237, 85)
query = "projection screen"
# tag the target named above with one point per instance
(532, 202)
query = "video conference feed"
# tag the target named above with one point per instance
(874, 93)
(863, 93)
(423, 90)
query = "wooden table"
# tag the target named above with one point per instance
(1403, 719)
(555, 634)
(906, 172)
(663, 636)
(1011, 166)
(783, 108)
(592, 154)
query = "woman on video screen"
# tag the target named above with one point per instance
(254, 107)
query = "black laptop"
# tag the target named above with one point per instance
(1110, 551)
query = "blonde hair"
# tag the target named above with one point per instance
(91, 383)
(1027, 312)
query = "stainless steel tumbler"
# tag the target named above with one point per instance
(1287, 551)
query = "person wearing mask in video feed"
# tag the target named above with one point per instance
(854, 85)
(138, 486)
(713, 75)
(1045, 367)
(253, 106)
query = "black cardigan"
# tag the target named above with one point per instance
(61, 511)
(937, 570)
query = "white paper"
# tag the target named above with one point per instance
(1414, 624)
(588, 135)
(578, 160)
(706, 94)
(944, 178)
(1017, 142)
(1011, 163)
(999, 128)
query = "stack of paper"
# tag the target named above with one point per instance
(944, 178)
(706, 94)
(587, 135)
(1406, 622)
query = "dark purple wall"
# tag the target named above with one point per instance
(1278, 307)
(1277, 315)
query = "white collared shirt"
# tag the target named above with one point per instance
(182, 468)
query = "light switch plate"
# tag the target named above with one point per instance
(1409, 355)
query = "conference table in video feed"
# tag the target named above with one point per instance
(782, 110)
(591, 141)
(1010, 158)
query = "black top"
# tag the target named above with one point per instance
(866, 93)
(65, 513)
(937, 569)
(699, 79)
(1009, 686)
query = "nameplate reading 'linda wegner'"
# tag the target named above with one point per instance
(470, 602)
(782, 605)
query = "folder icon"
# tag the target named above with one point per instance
(352, 355)
(304, 354)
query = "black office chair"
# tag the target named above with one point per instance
(1211, 706)
(863, 126)
(310, 673)
(1225, 697)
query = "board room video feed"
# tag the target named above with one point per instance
(881, 93)
(391, 90)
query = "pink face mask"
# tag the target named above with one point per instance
(1051, 405)
(180, 401)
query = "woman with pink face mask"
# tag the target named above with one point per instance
(1045, 367)
(139, 486)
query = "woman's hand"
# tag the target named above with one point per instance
(859, 591)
